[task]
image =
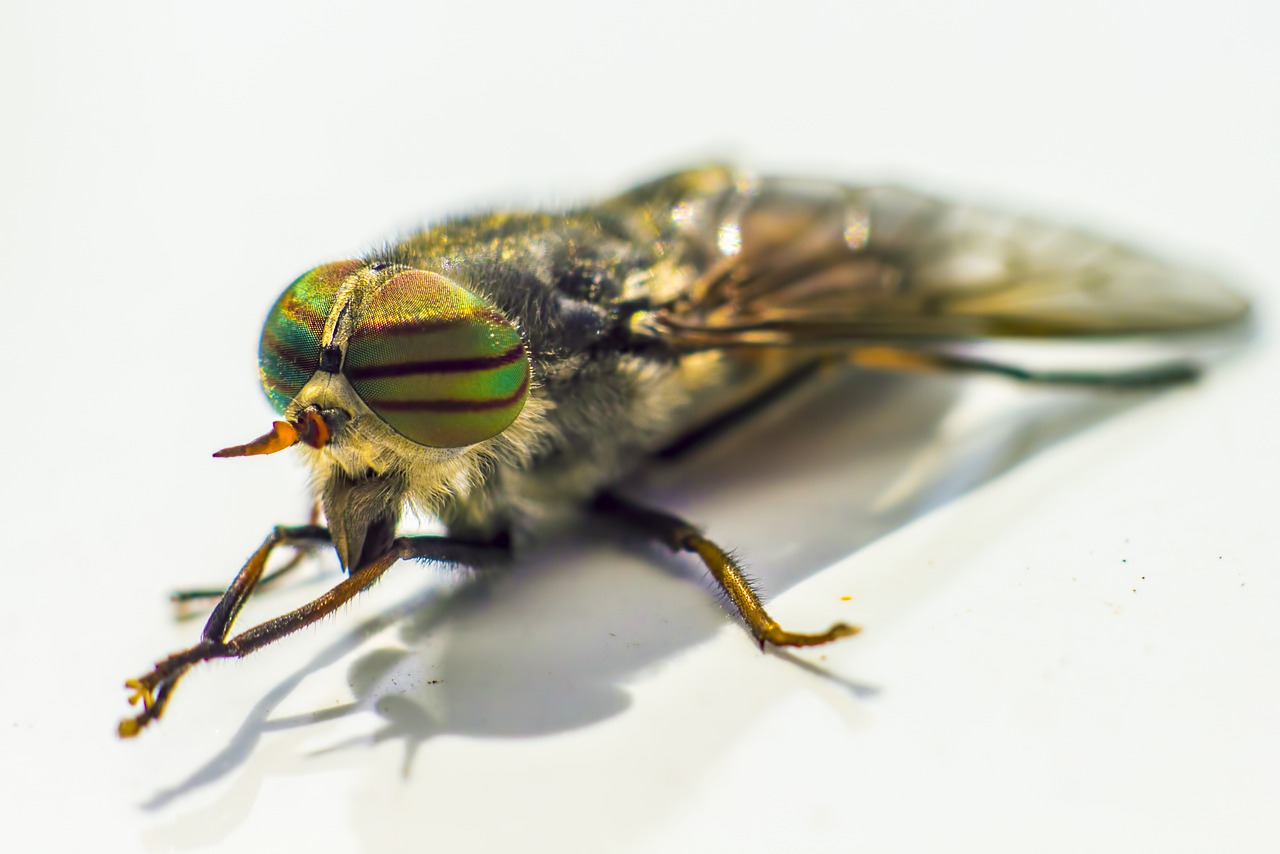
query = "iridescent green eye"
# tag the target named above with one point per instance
(290, 349)
(438, 363)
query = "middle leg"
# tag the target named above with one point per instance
(681, 536)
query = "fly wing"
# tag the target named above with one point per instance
(808, 263)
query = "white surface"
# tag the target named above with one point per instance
(1069, 604)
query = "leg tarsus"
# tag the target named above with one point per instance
(779, 636)
(681, 536)
(155, 689)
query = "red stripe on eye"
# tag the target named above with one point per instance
(436, 366)
(450, 405)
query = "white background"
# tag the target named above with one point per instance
(1069, 602)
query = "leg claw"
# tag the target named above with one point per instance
(140, 693)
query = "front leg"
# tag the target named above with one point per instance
(184, 600)
(681, 536)
(155, 688)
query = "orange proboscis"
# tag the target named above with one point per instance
(310, 428)
(282, 435)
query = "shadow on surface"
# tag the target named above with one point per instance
(551, 646)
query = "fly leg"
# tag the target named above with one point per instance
(1150, 377)
(183, 599)
(681, 536)
(155, 688)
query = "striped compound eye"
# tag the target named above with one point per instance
(290, 349)
(436, 362)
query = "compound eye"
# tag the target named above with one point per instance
(437, 362)
(289, 352)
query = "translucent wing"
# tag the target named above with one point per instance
(798, 263)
